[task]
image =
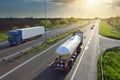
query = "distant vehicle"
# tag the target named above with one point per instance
(92, 26)
(22, 35)
(68, 52)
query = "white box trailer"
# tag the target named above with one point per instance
(21, 35)
(32, 32)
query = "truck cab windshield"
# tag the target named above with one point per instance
(12, 36)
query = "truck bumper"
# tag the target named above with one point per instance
(65, 68)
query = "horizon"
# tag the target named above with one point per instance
(54, 17)
(59, 8)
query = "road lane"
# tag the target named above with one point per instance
(85, 49)
(87, 69)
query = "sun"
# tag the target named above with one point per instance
(91, 2)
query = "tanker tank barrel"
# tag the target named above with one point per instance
(67, 48)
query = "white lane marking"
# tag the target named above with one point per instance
(86, 48)
(74, 73)
(29, 60)
(88, 42)
(51, 63)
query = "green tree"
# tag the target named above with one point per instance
(15, 27)
(64, 21)
(73, 20)
(46, 23)
(27, 26)
(57, 22)
(42, 23)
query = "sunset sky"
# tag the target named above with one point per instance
(60, 8)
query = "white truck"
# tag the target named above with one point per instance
(21, 35)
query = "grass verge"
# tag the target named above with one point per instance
(108, 31)
(99, 67)
(3, 36)
(111, 64)
(57, 26)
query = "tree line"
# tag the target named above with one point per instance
(52, 22)
(114, 21)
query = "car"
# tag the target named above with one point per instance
(92, 26)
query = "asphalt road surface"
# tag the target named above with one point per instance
(37, 67)
(5, 50)
(86, 68)
(106, 43)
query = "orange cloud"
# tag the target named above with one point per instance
(116, 3)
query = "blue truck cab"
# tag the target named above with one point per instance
(14, 37)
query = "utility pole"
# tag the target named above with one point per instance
(45, 20)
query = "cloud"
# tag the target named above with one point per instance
(63, 2)
(116, 3)
(33, 0)
(113, 3)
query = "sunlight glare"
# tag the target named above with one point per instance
(91, 2)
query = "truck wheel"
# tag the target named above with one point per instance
(74, 58)
(78, 51)
(70, 64)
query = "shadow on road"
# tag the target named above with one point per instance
(4, 46)
(51, 74)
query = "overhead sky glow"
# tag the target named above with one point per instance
(91, 2)
(60, 8)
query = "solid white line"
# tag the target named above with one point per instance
(29, 60)
(88, 42)
(86, 48)
(74, 73)
(51, 63)
(72, 78)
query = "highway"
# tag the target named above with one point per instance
(38, 66)
(5, 50)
